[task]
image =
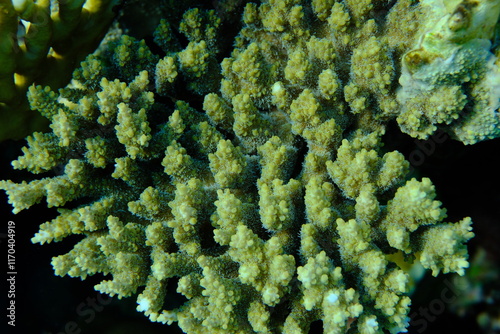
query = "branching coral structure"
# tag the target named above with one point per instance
(269, 197)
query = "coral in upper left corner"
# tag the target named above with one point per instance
(41, 41)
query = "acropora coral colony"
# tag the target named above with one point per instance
(268, 194)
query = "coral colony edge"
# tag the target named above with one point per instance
(257, 179)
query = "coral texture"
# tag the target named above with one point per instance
(267, 196)
(43, 41)
(451, 77)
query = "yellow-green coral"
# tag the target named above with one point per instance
(268, 196)
(42, 41)
(452, 64)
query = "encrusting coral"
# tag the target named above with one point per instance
(269, 195)
(451, 77)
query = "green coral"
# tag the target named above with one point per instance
(260, 183)
(42, 41)
(453, 65)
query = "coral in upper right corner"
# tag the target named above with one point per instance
(451, 77)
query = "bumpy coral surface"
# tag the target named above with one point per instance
(267, 196)
(451, 77)
(43, 41)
